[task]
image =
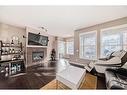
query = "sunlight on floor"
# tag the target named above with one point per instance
(63, 64)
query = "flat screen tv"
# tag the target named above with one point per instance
(37, 39)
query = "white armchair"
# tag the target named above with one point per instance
(116, 59)
(112, 61)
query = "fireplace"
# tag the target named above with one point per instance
(37, 56)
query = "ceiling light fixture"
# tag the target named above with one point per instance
(44, 29)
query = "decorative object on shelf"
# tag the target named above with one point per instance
(15, 39)
(12, 43)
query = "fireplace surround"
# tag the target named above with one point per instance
(35, 55)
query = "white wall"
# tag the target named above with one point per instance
(8, 31)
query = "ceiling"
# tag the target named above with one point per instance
(60, 20)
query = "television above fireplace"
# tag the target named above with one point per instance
(37, 39)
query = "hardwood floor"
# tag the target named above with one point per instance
(37, 76)
(101, 83)
(34, 78)
(90, 82)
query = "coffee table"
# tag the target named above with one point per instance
(71, 76)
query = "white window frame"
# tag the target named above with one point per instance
(108, 29)
(63, 42)
(89, 32)
(67, 48)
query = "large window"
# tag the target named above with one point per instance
(125, 40)
(109, 40)
(88, 45)
(113, 40)
(61, 48)
(70, 47)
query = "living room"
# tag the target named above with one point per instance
(45, 47)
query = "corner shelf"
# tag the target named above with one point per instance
(11, 66)
(10, 49)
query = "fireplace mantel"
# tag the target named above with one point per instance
(35, 46)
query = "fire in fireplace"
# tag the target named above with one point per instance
(37, 56)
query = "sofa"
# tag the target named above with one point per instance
(116, 78)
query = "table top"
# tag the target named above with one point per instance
(71, 75)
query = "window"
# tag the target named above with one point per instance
(125, 40)
(61, 47)
(88, 45)
(113, 40)
(70, 47)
